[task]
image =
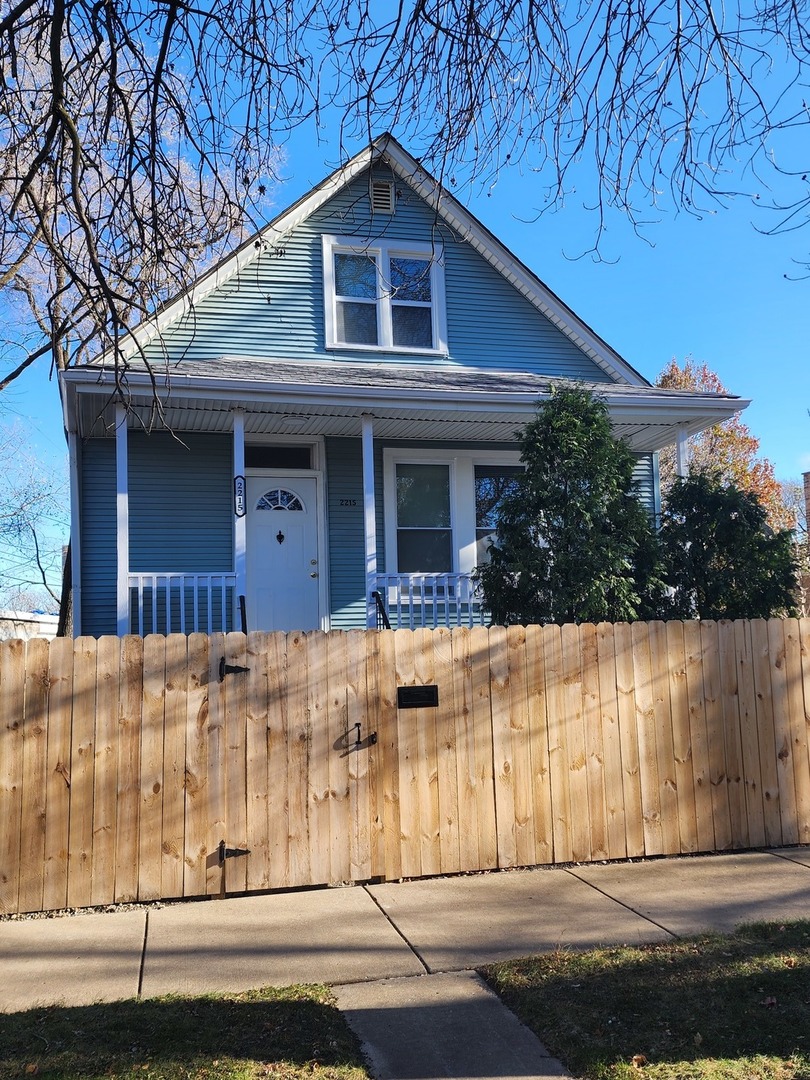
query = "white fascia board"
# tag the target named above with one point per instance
(68, 397)
(518, 275)
(694, 414)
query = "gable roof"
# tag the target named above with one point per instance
(385, 149)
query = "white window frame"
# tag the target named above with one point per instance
(462, 497)
(383, 251)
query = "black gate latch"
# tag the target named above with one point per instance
(229, 669)
(230, 852)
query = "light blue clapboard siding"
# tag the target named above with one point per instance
(180, 507)
(347, 579)
(275, 307)
(98, 545)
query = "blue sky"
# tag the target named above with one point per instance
(713, 288)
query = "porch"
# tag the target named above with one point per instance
(357, 564)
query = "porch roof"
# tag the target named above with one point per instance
(406, 401)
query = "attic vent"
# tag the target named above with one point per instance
(382, 196)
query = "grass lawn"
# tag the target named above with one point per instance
(715, 1007)
(286, 1034)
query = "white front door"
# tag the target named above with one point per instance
(283, 571)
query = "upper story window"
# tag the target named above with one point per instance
(384, 295)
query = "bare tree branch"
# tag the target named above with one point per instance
(138, 139)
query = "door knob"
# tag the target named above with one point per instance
(314, 573)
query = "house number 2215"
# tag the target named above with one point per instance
(348, 502)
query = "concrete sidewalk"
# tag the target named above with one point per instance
(404, 938)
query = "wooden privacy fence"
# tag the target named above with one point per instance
(124, 763)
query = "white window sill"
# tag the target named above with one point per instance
(341, 346)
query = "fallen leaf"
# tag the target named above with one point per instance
(32, 1069)
(638, 1061)
(769, 1002)
(789, 961)
(698, 1039)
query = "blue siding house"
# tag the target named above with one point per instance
(339, 401)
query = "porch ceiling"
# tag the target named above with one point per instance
(407, 403)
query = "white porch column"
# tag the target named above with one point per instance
(122, 518)
(240, 520)
(682, 453)
(370, 517)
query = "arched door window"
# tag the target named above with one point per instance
(280, 499)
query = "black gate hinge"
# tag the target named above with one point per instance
(229, 669)
(230, 852)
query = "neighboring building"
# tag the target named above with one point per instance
(341, 398)
(27, 625)
(804, 580)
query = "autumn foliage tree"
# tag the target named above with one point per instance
(727, 451)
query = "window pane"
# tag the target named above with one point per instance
(423, 496)
(424, 551)
(492, 483)
(484, 538)
(410, 279)
(355, 275)
(412, 326)
(356, 323)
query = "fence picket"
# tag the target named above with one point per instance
(427, 783)
(502, 746)
(256, 727)
(664, 742)
(681, 737)
(195, 781)
(611, 743)
(752, 774)
(12, 704)
(557, 752)
(731, 734)
(356, 817)
(320, 834)
(150, 856)
(34, 773)
(628, 729)
(447, 752)
(538, 747)
(766, 734)
(278, 803)
(174, 766)
(484, 751)
(384, 677)
(594, 746)
(57, 786)
(783, 737)
(341, 837)
(798, 715)
(699, 737)
(713, 698)
(80, 849)
(520, 737)
(105, 770)
(299, 741)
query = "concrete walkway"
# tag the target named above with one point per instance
(391, 950)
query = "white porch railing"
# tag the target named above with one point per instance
(429, 600)
(172, 603)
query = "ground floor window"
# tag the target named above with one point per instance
(441, 507)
